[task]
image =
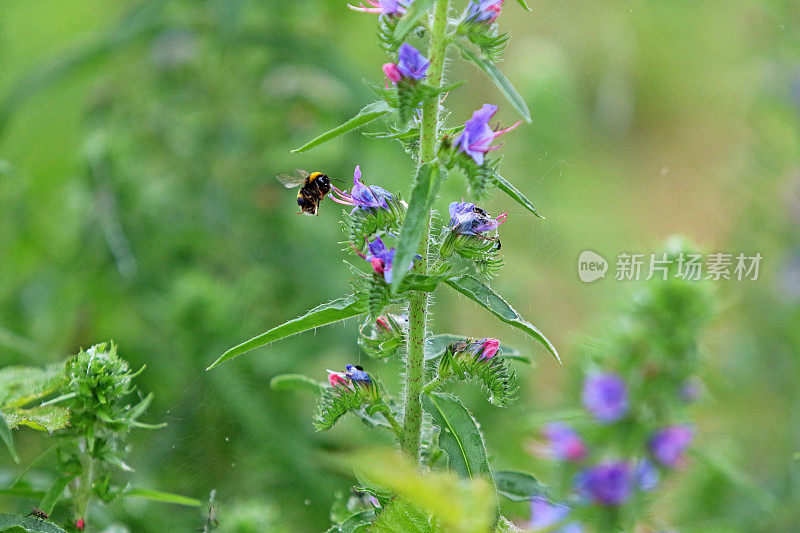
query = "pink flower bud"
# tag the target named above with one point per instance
(378, 265)
(392, 72)
(336, 378)
(490, 347)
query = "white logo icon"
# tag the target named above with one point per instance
(591, 266)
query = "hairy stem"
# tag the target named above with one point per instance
(418, 301)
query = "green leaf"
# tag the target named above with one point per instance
(409, 21)
(322, 315)
(500, 80)
(49, 418)
(21, 385)
(426, 185)
(438, 344)
(495, 304)
(53, 494)
(14, 523)
(517, 486)
(367, 114)
(524, 5)
(295, 382)
(459, 435)
(506, 186)
(8, 439)
(163, 497)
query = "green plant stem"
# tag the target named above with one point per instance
(84, 489)
(433, 384)
(396, 427)
(418, 301)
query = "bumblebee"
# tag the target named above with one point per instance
(313, 188)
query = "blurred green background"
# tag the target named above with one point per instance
(139, 142)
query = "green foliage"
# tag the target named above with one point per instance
(161, 497)
(11, 523)
(517, 486)
(335, 402)
(383, 337)
(322, 315)
(295, 382)
(484, 296)
(364, 223)
(464, 362)
(482, 251)
(438, 344)
(367, 114)
(499, 80)
(425, 187)
(459, 436)
(452, 504)
(506, 186)
(416, 11)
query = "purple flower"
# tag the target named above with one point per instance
(381, 259)
(468, 219)
(357, 374)
(607, 483)
(565, 443)
(477, 136)
(606, 397)
(483, 10)
(646, 475)
(362, 196)
(383, 7)
(411, 63)
(545, 514)
(668, 444)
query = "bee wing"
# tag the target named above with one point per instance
(300, 172)
(290, 181)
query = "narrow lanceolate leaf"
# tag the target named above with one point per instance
(506, 186)
(53, 494)
(163, 497)
(517, 486)
(49, 418)
(426, 185)
(484, 296)
(15, 523)
(367, 114)
(500, 80)
(414, 12)
(524, 5)
(322, 315)
(459, 435)
(8, 440)
(295, 382)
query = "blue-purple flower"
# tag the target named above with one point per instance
(411, 65)
(545, 514)
(608, 483)
(565, 443)
(606, 397)
(381, 259)
(690, 390)
(468, 219)
(476, 138)
(483, 10)
(356, 373)
(383, 7)
(646, 475)
(669, 444)
(362, 196)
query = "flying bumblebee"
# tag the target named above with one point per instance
(313, 188)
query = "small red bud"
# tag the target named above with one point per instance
(80, 524)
